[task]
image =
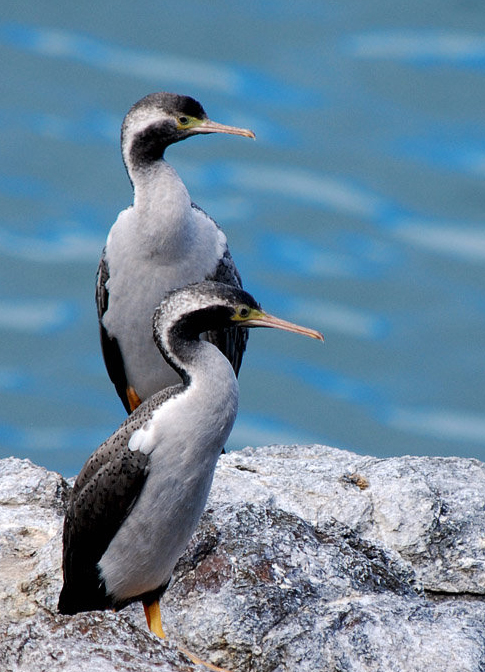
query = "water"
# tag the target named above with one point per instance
(359, 210)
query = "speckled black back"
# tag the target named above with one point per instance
(104, 494)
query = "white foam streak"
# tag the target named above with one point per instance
(33, 316)
(147, 65)
(65, 245)
(329, 316)
(418, 45)
(321, 190)
(449, 239)
(440, 424)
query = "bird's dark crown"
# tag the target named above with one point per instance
(186, 313)
(153, 123)
(170, 103)
(201, 307)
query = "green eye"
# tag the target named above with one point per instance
(244, 311)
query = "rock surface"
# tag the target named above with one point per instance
(307, 558)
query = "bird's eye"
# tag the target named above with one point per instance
(183, 121)
(244, 311)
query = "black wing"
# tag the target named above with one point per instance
(103, 496)
(112, 356)
(232, 341)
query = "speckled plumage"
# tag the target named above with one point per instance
(103, 495)
(138, 498)
(162, 242)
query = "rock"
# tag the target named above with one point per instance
(307, 558)
(428, 509)
(92, 642)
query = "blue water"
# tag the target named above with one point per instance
(359, 210)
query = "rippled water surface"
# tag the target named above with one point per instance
(359, 211)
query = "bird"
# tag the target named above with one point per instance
(161, 242)
(137, 501)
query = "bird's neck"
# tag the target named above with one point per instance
(162, 204)
(211, 392)
(187, 353)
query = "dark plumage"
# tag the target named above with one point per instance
(103, 496)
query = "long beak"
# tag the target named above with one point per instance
(209, 126)
(265, 320)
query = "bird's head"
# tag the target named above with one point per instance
(186, 313)
(159, 120)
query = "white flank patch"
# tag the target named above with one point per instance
(148, 437)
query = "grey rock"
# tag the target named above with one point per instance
(430, 510)
(91, 642)
(307, 558)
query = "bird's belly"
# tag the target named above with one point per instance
(146, 370)
(132, 302)
(143, 554)
(183, 438)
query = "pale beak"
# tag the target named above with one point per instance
(209, 126)
(265, 320)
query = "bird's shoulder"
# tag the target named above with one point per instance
(114, 456)
(202, 213)
(230, 341)
(109, 344)
(226, 271)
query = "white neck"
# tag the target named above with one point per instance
(162, 203)
(213, 384)
(208, 405)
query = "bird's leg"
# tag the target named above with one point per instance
(133, 399)
(154, 621)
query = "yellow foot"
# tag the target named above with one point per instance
(198, 661)
(154, 621)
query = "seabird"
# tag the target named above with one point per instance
(139, 497)
(161, 242)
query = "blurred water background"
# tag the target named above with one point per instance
(359, 210)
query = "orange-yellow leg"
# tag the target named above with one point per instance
(154, 621)
(133, 399)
